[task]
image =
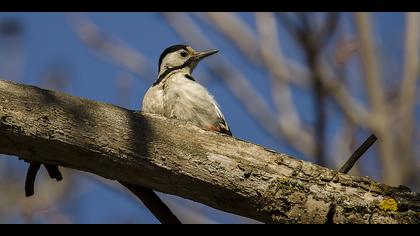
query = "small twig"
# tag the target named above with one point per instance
(153, 203)
(356, 156)
(53, 172)
(33, 169)
(358, 153)
(30, 177)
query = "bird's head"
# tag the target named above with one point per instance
(181, 57)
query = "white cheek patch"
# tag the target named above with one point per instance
(173, 60)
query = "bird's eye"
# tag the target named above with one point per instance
(184, 54)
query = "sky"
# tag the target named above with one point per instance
(49, 40)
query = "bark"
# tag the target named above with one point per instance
(177, 158)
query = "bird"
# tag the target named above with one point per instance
(177, 95)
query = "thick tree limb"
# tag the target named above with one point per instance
(176, 158)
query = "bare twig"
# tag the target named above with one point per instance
(53, 172)
(358, 153)
(356, 156)
(30, 177)
(153, 203)
(32, 172)
(184, 209)
(343, 143)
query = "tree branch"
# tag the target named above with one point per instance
(152, 201)
(376, 95)
(235, 30)
(109, 48)
(408, 90)
(354, 110)
(273, 60)
(173, 157)
(358, 153)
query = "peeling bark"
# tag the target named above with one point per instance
(177, 158)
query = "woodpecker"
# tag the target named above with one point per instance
(176, 94)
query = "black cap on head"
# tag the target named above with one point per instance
(170, 49)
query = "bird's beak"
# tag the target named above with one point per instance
(200, 55)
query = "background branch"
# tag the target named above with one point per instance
(408, 91)
(354, 110)
(375, 93)
(109, 48)
(235, 30)
(270, 50)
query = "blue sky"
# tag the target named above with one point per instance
(48, 40)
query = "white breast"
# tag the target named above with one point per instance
(188, 100)
(181, 98)
(153, 100)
